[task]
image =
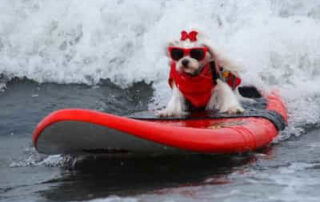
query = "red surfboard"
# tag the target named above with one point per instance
(81, 131)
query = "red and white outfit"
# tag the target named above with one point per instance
(198, 89)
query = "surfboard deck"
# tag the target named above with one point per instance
(81, 131)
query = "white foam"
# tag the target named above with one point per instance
(84, 42)
(50, 161)
(2, 87)
(34, 158)
(116, 199)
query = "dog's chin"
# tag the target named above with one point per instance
(193, 72)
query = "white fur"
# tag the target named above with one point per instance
(176, 105)
(223, 98)
(192, 67)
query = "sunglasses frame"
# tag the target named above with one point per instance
(186, 51)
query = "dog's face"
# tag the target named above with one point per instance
(190, 57)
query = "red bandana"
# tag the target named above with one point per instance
(196, 89)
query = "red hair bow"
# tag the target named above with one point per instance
(192, 36)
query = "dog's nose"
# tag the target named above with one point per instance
(185, 62)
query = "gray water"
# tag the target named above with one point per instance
(286, 171)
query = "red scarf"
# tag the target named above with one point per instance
(196, 89)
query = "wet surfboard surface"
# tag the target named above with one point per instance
(81, 131)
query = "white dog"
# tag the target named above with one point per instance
(200, 77)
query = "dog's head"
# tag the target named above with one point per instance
(190, 53)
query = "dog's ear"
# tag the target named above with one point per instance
(221, 59)
(211, 51)
(170, 44)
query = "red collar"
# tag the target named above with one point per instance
(196, 89)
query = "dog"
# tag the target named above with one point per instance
(200, 78)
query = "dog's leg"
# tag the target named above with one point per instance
(224, 99)
(213, 102)
(176, 105)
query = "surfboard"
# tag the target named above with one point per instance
(83, 131)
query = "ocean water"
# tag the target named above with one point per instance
(110, 56)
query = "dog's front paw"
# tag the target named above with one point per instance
(164, 113)
(234, 110)
(210, 106)
(169, 113)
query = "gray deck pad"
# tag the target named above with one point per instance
(252, 109)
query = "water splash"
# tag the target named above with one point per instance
(33, 158)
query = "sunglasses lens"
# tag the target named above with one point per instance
(197, 53)
(176, 54)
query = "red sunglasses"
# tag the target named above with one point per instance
(177, 53)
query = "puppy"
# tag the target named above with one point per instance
(200, 78)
